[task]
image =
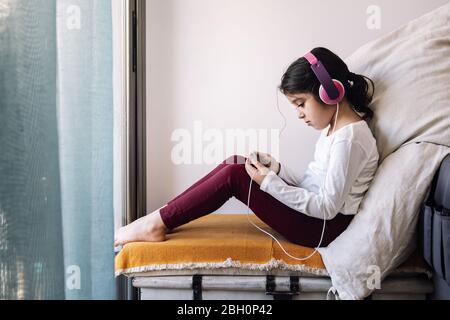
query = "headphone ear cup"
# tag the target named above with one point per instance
(324, 95)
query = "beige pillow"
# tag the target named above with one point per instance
(411, 71)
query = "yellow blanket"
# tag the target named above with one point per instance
(219, 241)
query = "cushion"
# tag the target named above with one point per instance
(217, 241)
(411, 71)
(226, 243)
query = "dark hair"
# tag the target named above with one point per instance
(299, 78)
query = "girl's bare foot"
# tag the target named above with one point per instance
(150, 228)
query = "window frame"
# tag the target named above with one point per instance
(129, 121)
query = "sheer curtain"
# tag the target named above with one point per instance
(56, 150)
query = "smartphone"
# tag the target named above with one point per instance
(260, 161)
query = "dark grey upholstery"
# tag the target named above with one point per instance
(434, 228)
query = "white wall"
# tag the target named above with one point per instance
(220, 61)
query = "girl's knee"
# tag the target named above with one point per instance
(237, 177)
(236, 173)
(235, 168)
(235, 159)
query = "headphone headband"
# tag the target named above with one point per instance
(323, 76)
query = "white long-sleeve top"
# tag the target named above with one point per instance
(336, 181)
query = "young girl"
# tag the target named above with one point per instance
(345, 162)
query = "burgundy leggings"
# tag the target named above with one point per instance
(231, 179)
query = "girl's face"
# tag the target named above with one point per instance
(316, 114)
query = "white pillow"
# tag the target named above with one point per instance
(411, 71)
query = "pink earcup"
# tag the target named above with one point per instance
(326, 99)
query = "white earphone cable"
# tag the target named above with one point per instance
(250, 190)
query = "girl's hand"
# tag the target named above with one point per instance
(269, 161)
(258, 173)
(266, 160)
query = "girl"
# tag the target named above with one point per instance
(345, 162)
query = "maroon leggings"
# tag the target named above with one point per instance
(231, 179)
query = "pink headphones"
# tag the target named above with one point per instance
(331, 91)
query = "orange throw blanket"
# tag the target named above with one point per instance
(220, 241)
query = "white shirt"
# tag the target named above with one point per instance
(336, 181)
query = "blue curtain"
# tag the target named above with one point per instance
(56, 150)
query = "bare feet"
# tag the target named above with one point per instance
(150, 228)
